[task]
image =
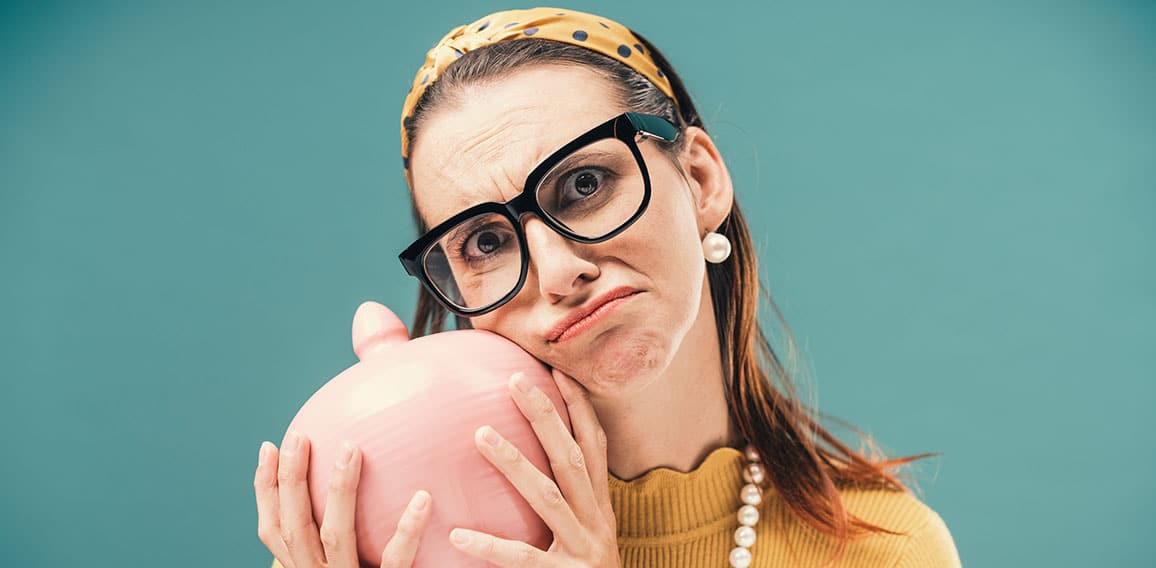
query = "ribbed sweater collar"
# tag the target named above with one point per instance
(665, 504)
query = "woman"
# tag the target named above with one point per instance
(579, 208)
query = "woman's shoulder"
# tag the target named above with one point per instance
(923, 538)
(918, 537)
(896, 510)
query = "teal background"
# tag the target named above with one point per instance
(953, 204)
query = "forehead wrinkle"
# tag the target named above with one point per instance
(535, 111)
(484, 169)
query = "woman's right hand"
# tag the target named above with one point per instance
(285, 512)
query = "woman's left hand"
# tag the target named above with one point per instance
(576, 507)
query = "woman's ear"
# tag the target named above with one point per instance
(708, 175)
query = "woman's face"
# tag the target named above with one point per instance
(481, 145)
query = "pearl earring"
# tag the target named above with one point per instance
(716, 247)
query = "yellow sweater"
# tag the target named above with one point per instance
(669, 519)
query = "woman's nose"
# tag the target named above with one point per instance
(555, 260)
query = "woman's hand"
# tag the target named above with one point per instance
(285, 512)
(577, 507)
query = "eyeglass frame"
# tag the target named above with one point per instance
(628, 127)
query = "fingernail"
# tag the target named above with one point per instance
(263, 454)
(491, 436)
(520, 382)
(419, 502)
(291, 443)
(459, 536)
(346, 456)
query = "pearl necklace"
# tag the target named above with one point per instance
(752, 496)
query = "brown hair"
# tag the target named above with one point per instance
(805, 463)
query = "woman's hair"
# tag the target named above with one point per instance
(805, 463)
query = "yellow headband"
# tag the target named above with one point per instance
(568, 26)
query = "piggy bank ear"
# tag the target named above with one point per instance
(375, 327)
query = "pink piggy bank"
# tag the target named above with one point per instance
(412, 407)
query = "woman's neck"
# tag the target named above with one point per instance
(677, 419)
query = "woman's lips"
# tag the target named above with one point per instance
(593, 319)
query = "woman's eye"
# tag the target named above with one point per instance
(581, 184)
(483, 243)
(586, 183)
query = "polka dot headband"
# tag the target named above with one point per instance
(568, 26)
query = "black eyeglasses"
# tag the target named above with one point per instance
(588, 191)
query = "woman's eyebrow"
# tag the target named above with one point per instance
(467, 228)
(579, 157)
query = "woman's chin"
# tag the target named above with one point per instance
(622, 365)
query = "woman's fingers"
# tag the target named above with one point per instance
(337, 530)
(283, 501)
(590, 436)
(298, 530)
(566, 456)
(498, 551)
(402, 546)
(540, 491)
(268, 504)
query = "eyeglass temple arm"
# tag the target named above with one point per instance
(652, 126)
